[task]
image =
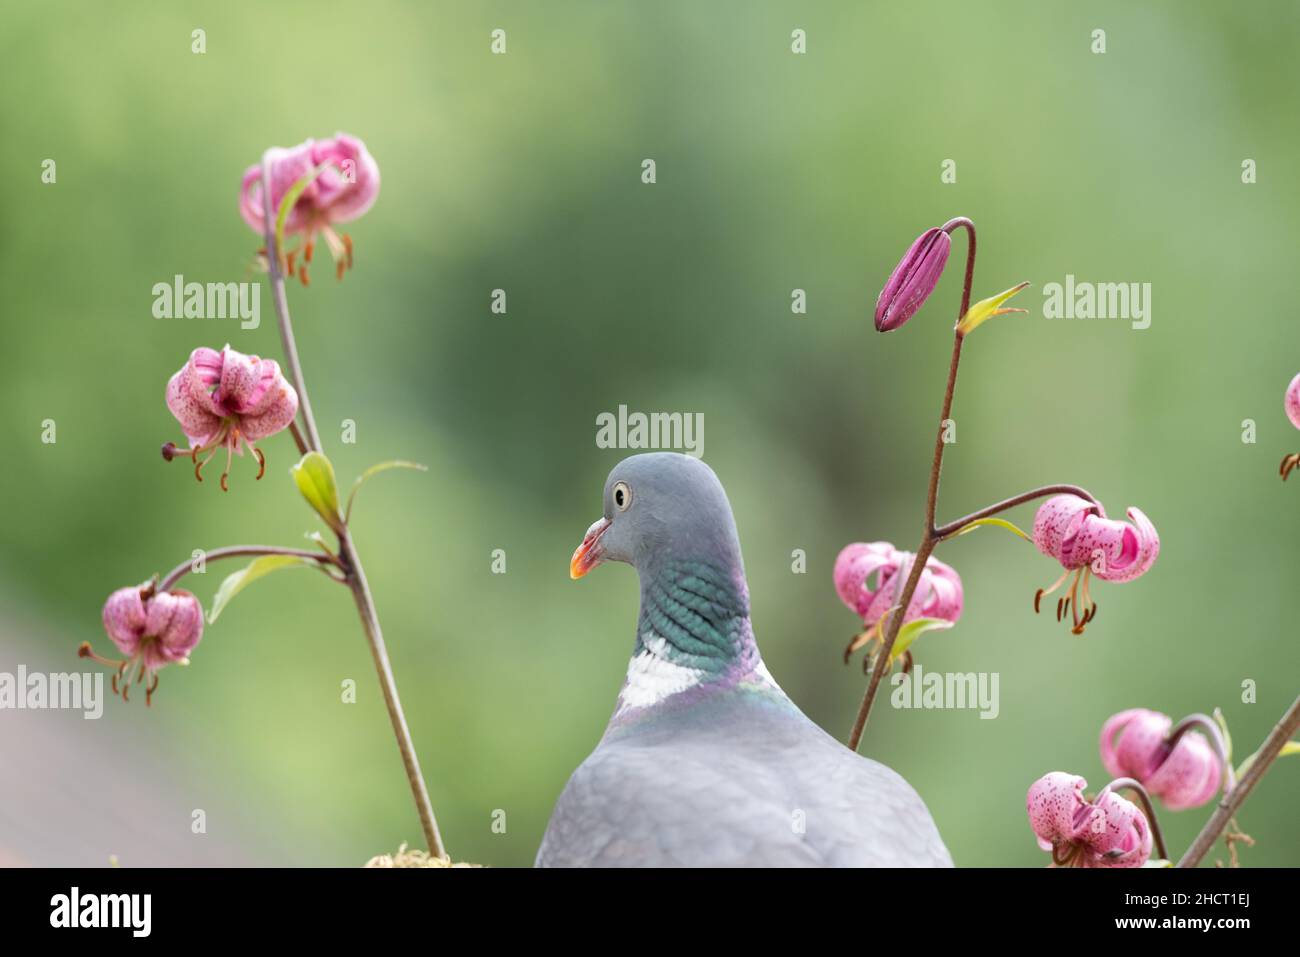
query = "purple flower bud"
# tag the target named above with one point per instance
(913, 279)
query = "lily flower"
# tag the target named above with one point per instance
(345, 187)
(1109, 831)
(152, 629)
(869, 577)
(228, 400)
(1135, 743)
(1077, 533)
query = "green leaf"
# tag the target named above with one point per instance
(999, 522)
(314, 476)
(914, 630)
(237, 581)
(1158, 862)
(290, 198)
(1291, 747)
(375, 470)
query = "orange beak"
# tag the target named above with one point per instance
(589, 553)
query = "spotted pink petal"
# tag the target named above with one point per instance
(263, 393)
(175, 619)
(277, 407)
(125, 618)
(1293, 401)
(1055, 805)
(192, 410)
(239, 377)
(1057, 523)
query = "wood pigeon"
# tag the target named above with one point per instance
(706, 762)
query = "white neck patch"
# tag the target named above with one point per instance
(652, 678)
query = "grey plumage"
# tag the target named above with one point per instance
(706, 762)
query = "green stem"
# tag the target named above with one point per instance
(236, 551)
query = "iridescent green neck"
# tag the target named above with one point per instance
(696, 615)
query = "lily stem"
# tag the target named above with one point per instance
(355, 575)
(928, 538)
(236, 551)
(1207, 724)
(1233, 798)
(953, 527)
(933, 534)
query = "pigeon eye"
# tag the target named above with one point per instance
(622, 496)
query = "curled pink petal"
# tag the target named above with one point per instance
(351, 185)
(1119, 837)
(1130, 553)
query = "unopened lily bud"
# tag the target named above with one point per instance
(913, 279)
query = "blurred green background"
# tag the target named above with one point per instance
(775, 171)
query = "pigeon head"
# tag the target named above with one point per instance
(661, 507)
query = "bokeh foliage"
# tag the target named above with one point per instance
(775, 171)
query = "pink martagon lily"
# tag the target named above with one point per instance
(343, 191)
(1077, 533)
(1134, 744)
(152, 629)
(1109, 831)
(869, 577)
(227, 399)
